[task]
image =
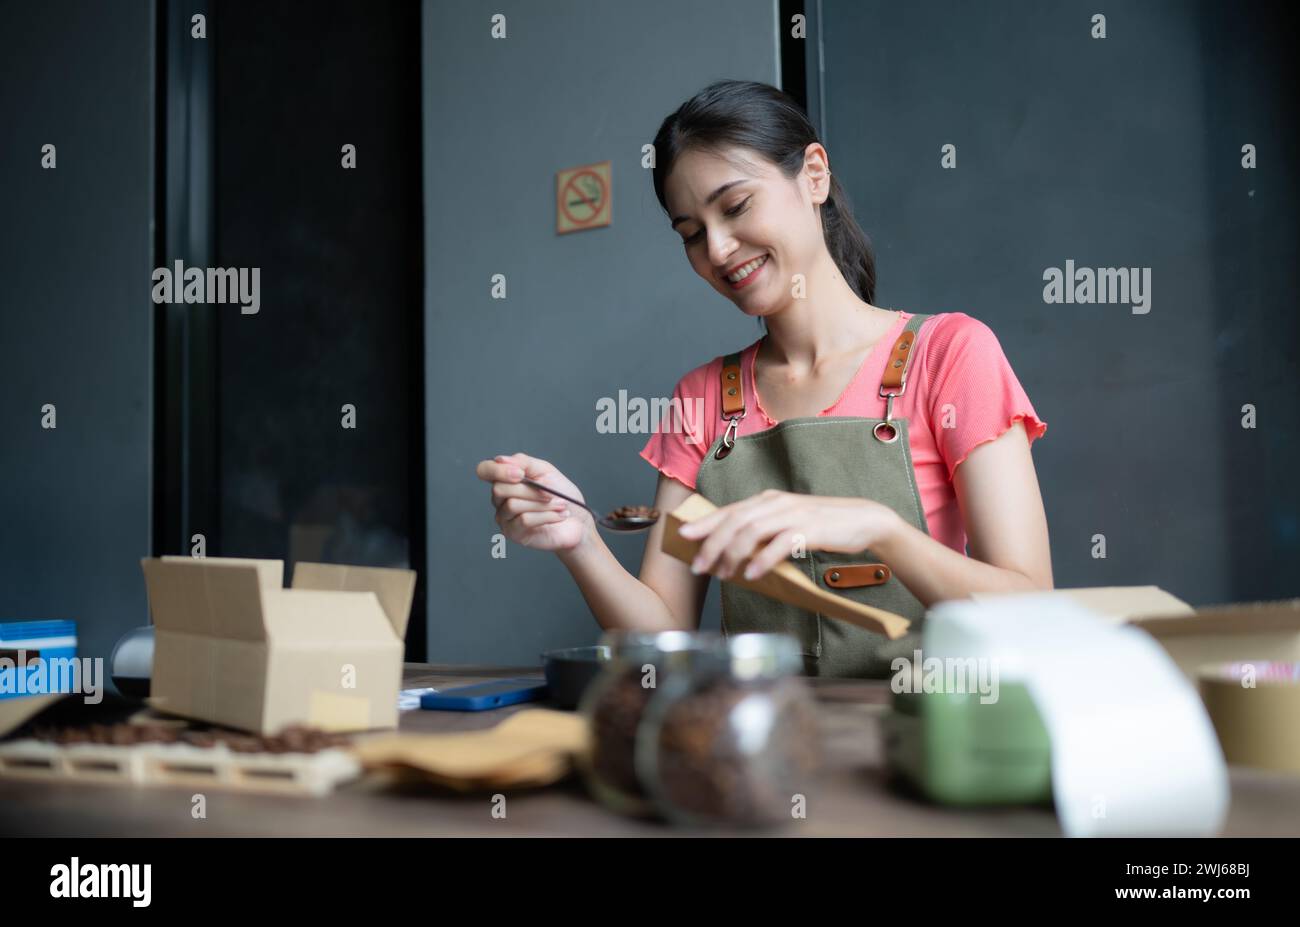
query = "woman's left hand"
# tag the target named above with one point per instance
(767, 526)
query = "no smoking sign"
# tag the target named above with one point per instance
(582, 197)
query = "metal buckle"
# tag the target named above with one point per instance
(888, 422)
(729, 436)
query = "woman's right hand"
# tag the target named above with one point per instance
(529, 516)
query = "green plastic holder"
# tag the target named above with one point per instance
(959, 751)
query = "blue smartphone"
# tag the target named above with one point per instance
(486, 695)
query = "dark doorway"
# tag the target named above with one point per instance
(300, 430)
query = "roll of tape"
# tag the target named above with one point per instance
(1255, 707)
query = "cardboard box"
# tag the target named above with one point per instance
(233, 647)
(15, 712)
(1248, 631)
(1198, 637)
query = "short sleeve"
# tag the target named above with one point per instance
(974, 395)
(681, 439)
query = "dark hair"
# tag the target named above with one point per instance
(758, 116)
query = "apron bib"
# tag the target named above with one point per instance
(824, 456)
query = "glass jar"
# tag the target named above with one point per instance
(639, 663)
(737, 741)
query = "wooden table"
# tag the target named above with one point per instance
(851, 798)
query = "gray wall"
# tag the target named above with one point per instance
(587, 314)
(75, 317)
(1123, 151)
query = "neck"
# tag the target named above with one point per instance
(830, 321)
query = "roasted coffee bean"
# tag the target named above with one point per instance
(614, 720)
(295, 739)
(634, 511)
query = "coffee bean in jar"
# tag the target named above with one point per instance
(616, 700)
(735, 746)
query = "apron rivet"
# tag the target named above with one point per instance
(880, 574)
(835, 576)
(731, 376)
(731, 392)
(898, 363)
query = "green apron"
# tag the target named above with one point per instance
(824, 456)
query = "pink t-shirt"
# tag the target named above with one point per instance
(961, 392)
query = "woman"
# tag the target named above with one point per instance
(870, 446)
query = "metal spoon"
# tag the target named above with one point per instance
(636, 523)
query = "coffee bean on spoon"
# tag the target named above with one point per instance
(635, 511)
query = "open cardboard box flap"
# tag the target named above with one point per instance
(233, 647)
(394, 588)
(1197, 637)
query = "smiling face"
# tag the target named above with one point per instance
(733, 208)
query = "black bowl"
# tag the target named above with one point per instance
(569, 671)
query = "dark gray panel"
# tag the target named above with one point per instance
(75, 324)
(1123, 151)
